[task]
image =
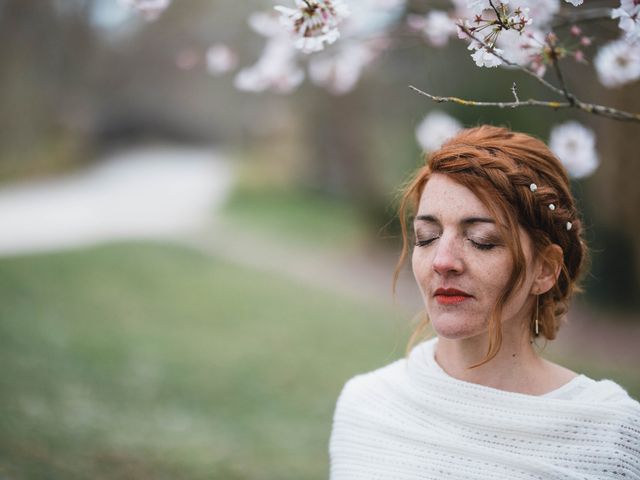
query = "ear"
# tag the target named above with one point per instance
(547, 270)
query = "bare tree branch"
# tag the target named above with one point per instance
(600, 110)
(474, 103)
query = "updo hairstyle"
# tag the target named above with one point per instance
(521, 182)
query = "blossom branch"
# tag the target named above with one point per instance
(498, 16)
(573, 101)
(529, 72)
(600, 110)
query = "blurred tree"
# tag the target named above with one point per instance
(43, 49)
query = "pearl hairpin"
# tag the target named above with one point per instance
(533, 187)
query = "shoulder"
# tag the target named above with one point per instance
(608, 391)
(377, 382)
(367, 397)
(617, 411)
(371, 406)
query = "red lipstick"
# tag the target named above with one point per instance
(450, 296)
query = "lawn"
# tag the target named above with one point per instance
(296, 216)
(154, 361)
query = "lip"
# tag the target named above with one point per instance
(450, 296)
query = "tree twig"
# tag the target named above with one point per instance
(600, 110)
(475, 103)
(556, 66)
(515, 93)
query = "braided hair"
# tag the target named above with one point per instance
(522, 183)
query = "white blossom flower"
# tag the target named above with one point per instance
(629, 15)
(220, 59)
(340, 73)
(436, 26)
(575, 146)
(149, 9)
(265, 24)
(485, 58)
(524, 49)
(436, 128)
(540, 11)
(501, 17)
(476, 7)
(314, 22)
(275, 70)
(618, 63)
(575, 3)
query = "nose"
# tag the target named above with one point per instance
(447, 258)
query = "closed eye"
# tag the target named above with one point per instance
(482, 246)
(424, 243)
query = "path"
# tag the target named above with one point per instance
(146, 192)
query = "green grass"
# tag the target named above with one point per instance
(152, 361)
(311, 219)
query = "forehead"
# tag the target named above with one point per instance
(443, 196)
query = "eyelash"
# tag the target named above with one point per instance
(479, 246)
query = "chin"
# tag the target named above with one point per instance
(453, 327)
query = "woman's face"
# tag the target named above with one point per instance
(462, 264)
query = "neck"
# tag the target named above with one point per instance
(515, 368)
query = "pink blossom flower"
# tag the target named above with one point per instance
(220, 59)
(485, 57)
(276, 69)
(575, 146)
(340, 73)
(524, 49)
(435, 129)
(265, 24)
(314, 22)
(629, 15)
(618, 63)
(437, 26)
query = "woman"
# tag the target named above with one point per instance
(498, 253)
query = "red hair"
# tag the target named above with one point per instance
(499, 166)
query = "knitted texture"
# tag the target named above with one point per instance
(410, 420)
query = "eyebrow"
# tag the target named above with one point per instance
(464, 221)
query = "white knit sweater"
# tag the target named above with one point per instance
(410, 420)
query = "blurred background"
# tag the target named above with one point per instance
(190, 272)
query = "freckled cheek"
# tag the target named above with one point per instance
(421, 266)
(490, 276)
